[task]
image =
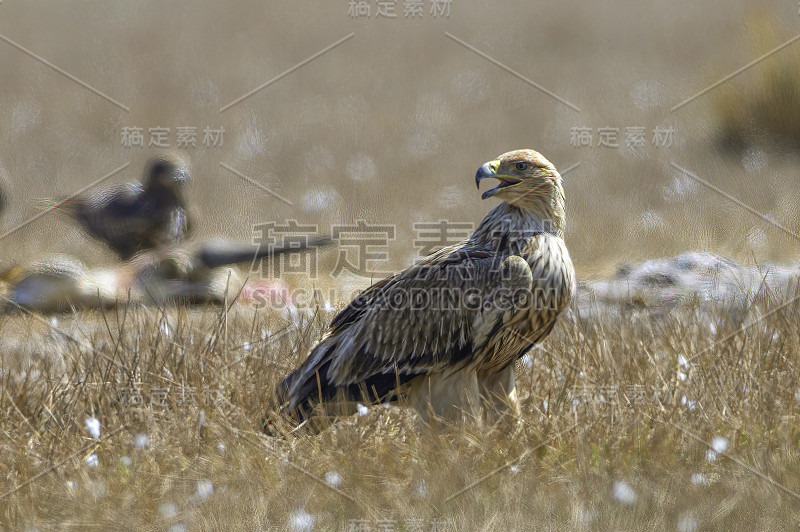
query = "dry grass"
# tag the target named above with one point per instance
(557, 470)
(389, 128)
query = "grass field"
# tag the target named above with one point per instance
(621, 416)
(631, 419)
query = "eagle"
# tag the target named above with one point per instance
(442, 336)
(135, 217)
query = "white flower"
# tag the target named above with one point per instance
(302, 521)
(687, 523)
(422, 489)
(205, 489)
(333, 479)
(141, 440)
(711, 455)
(698, 479)
(362, 410)
(93, 426)
(624, 493)
(247, 346)
(92, 460)
(719, 444)
(168, 510)
(72, 486)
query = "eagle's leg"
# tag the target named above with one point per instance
(453, 397)
(498, 395)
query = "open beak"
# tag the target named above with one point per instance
(490, 170)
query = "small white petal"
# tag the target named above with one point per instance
(302, 521)
(141, 440)
(687, 523)
(168, 510)
(333, 479)
(624, 493)
(92, 460)
(93, 426)
(362, 410)
(719, 444)
(698, 479)
(205, 489)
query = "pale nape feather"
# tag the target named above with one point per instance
(442, 336)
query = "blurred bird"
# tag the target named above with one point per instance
(442, 336)
(135, 217)
(200, 276)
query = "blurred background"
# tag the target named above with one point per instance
(389, 125)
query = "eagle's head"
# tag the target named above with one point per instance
(167, 172)
(521, 173)
(529, 182)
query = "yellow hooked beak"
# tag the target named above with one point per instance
(490, 170)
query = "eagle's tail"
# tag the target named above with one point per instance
(308, 393)
(295, 399)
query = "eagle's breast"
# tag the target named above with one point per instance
(550, 293)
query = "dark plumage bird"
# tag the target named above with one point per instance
(134, 217)
(443, 335)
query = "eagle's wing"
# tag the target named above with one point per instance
(432, 317)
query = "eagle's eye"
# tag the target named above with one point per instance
(521, 166)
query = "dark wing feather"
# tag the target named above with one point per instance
(419, 321)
